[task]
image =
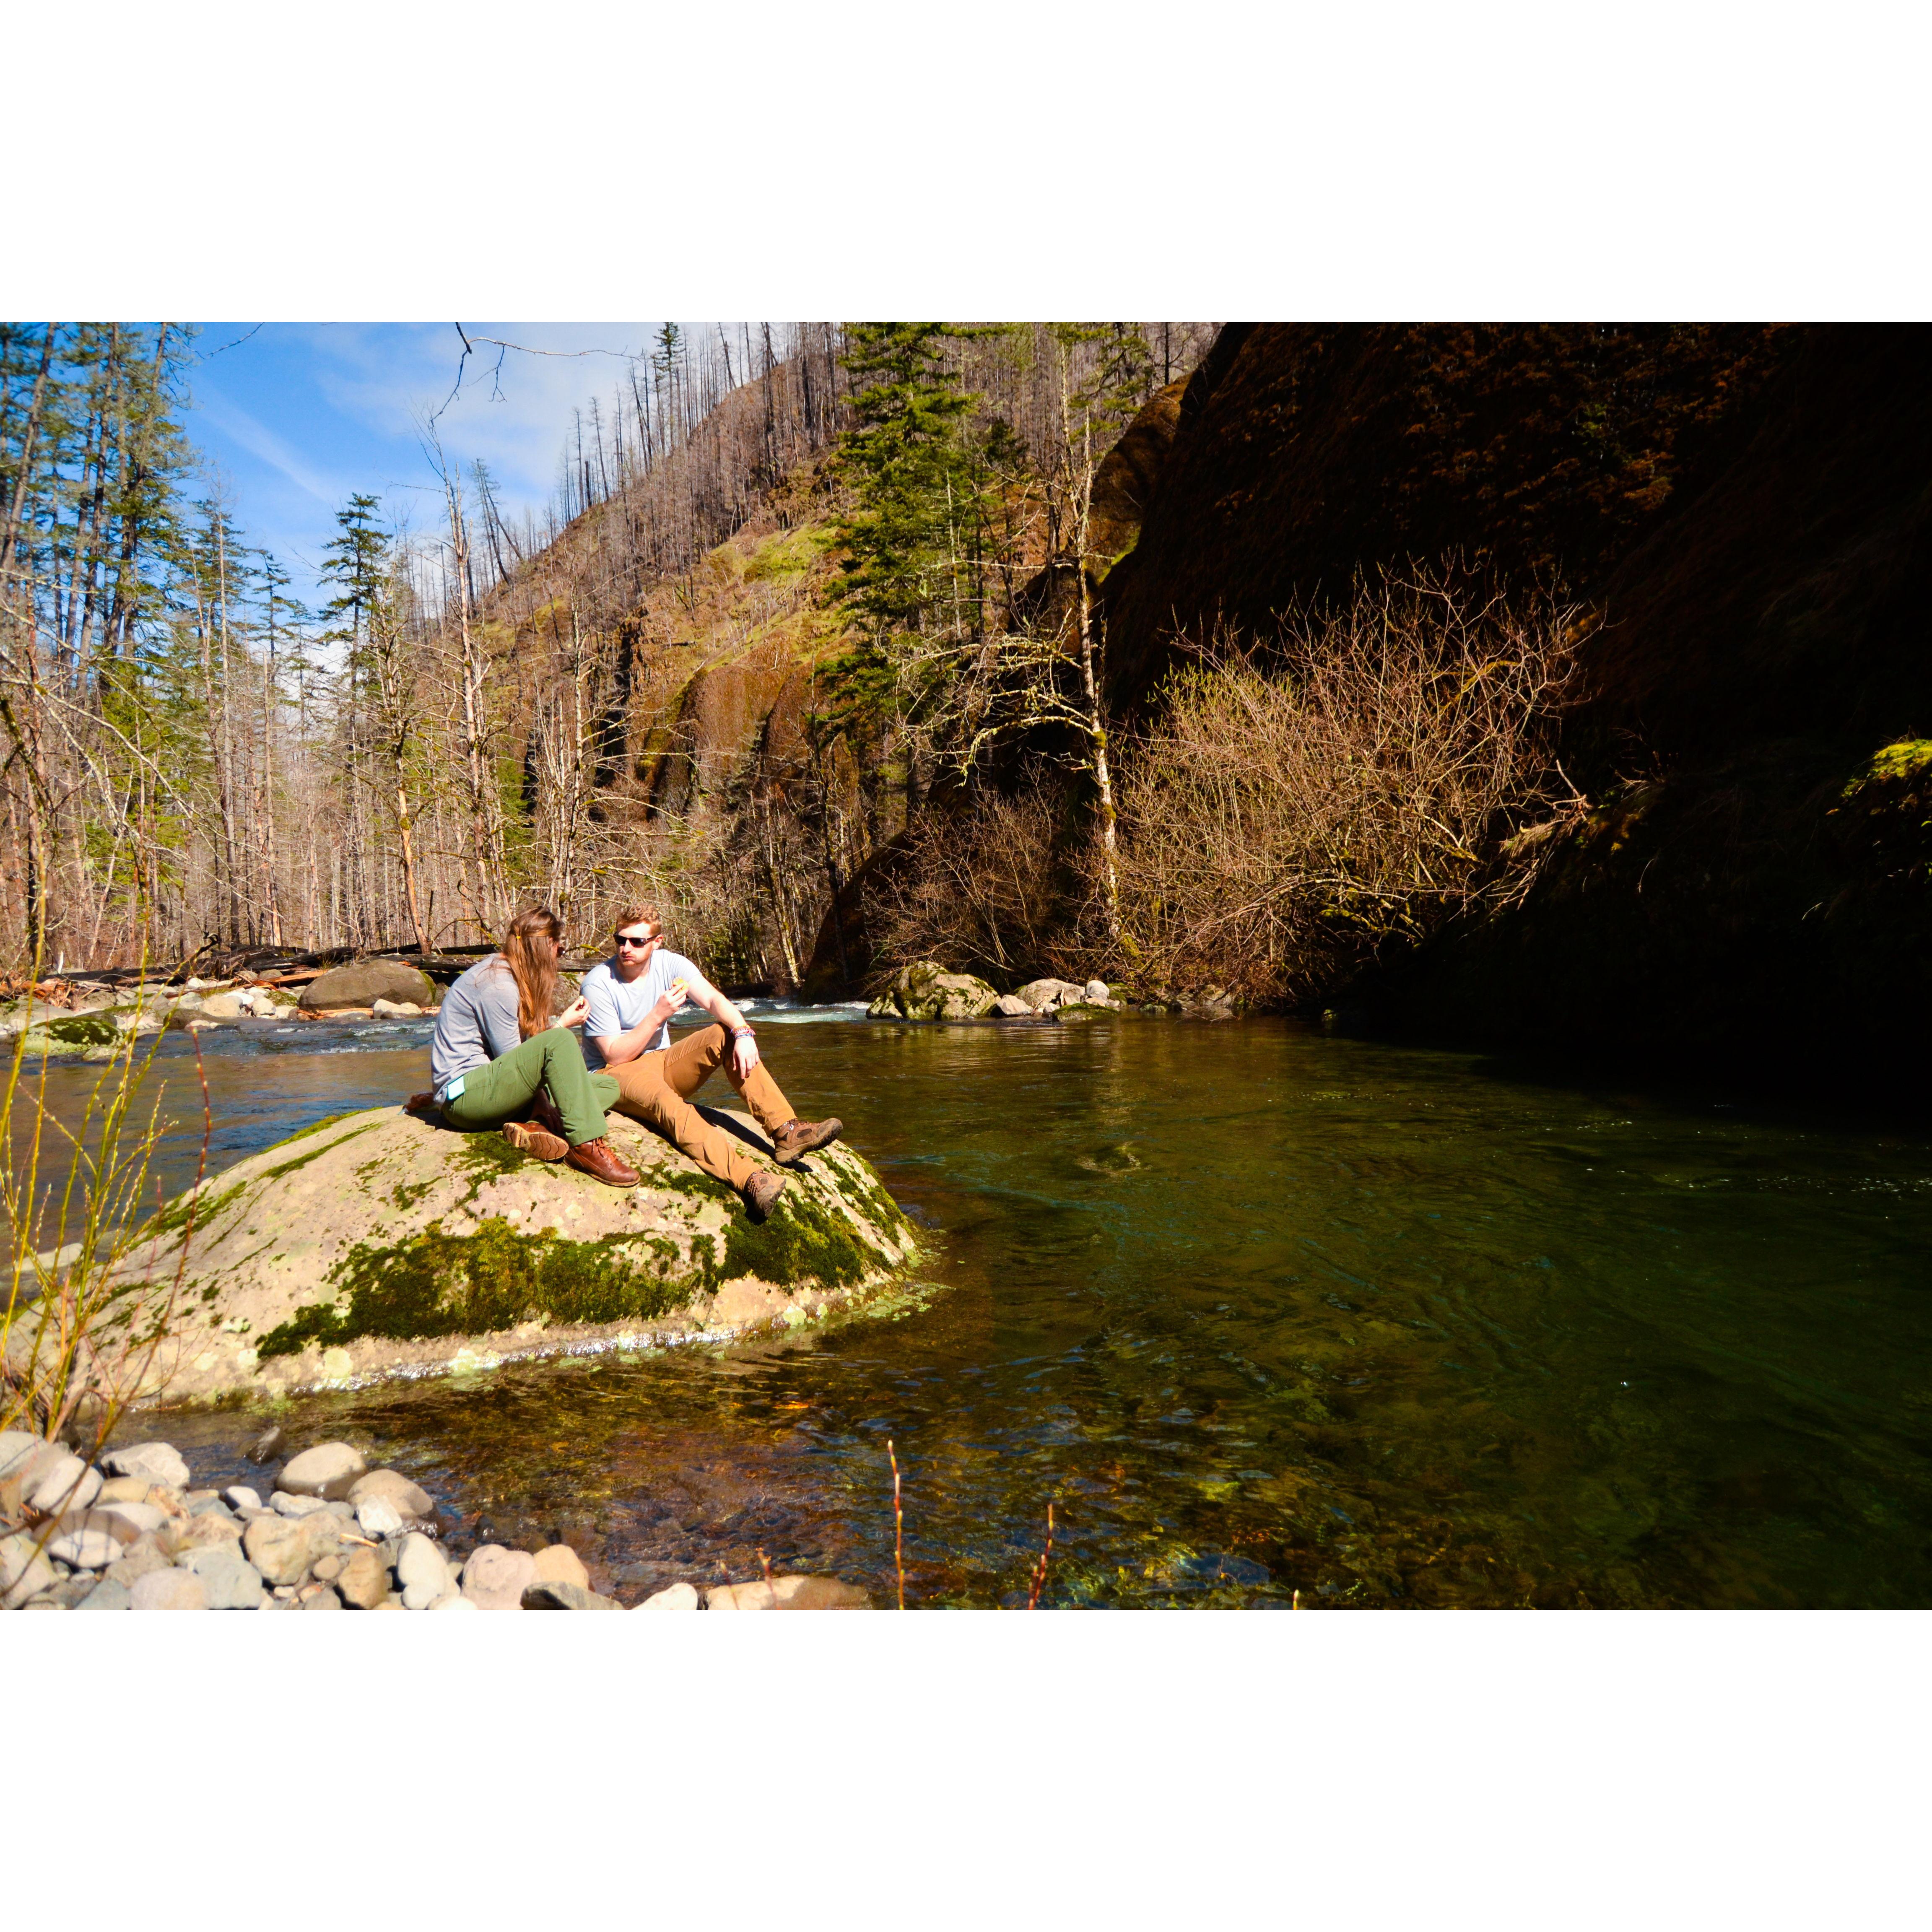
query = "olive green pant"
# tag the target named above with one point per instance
(503, 1090)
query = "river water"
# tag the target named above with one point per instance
(1257, 1310)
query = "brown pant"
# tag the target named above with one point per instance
(657, 1089)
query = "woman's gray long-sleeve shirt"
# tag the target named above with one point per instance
(476, 1023)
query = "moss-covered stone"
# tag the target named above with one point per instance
(83, 1029)
(440, 1284)
(381, 1243)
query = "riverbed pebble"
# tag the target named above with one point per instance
(558, 1563)
(550, 1594)
(343, 1536)
(231, 1582)
(788, 1593)
(495, 1578)
(328, 1470)
(169, 1589)
(24, 1571)
(200, 1532)
(422, 1572)
(678, 1596)
(409, 1500)
(124, 1489)
(139, 1519)
(85, 1546)
(158, 1462)
(363, 1582)
(378, 1518)
(142, 1557)
(65, 1483)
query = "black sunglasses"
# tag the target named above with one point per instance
(623, 939)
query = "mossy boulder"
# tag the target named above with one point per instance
(379, 1244)
(927, 991)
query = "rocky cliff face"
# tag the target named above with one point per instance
(1750, 509)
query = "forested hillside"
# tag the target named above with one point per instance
(1555, 682)
(690, 680)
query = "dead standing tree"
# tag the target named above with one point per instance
(1046, 676)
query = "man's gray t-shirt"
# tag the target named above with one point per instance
(616, 1007)
(476, 1023)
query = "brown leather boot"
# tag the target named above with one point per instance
(543, 1111)
(598, 1158)
(796, 1137)
(531, 1139)
(761, 1190)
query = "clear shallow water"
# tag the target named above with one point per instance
(1258, 1309)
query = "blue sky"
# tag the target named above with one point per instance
(294, 418)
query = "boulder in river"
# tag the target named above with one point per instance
(330, 1470)
(364, 983)
(381, 1243)
(927, 991)
(158, 1462)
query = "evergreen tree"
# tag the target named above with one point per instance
(911, 471)
(357, 561)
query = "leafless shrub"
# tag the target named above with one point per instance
(1299, 807)
(982, 891)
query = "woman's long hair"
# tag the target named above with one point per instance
(534, 968)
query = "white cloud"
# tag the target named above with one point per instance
(513, 408)
(261, 442)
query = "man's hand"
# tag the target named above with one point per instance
(744, 1055)
(673, 999)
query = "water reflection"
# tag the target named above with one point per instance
(1259, 1310)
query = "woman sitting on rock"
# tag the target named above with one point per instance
(500, 1060)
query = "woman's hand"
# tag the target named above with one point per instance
(574, 1015)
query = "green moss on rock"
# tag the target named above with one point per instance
(443, 1284)
(83, 1029)
(315, 1153)
(803, 1240)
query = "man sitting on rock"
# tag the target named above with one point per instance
(630, 998)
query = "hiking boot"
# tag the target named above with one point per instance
(598, 1158)
(530, 1138)
(760, 1191)
(796, 1137)
(543, 1111)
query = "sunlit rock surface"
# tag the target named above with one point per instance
(379, 1244)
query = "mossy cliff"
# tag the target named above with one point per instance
(378, 1244)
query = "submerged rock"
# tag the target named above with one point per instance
(927, 991)
(382, 1244)
(789, 1593)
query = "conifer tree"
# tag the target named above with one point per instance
(909, 469)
